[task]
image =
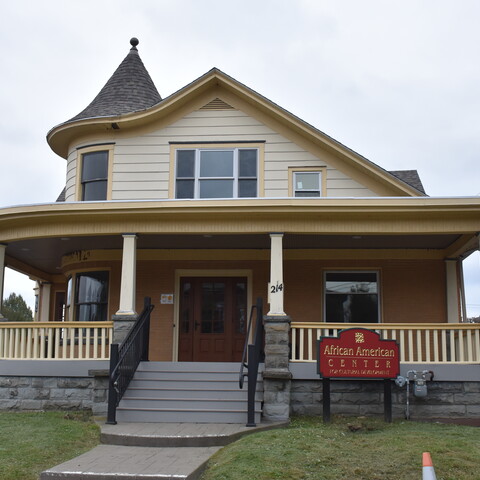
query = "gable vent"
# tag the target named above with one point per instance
(217, 104)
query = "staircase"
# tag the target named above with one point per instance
(171, 392)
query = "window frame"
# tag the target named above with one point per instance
(353, 271)
(108, 148)
(213, 146)
(322, 172)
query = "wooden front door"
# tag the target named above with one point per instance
(213, 319)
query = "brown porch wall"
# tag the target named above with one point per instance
(411, 291)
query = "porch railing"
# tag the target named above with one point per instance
(125, 358)
(55, 340)
(446, 343)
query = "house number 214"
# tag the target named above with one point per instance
(276, 288)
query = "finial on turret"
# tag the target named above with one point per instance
(134, 42)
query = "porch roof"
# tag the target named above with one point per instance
(39, 235)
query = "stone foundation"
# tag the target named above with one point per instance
(365, 397)
(55, 393)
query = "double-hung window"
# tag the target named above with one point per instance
(94, 175)
(216, 173)
(352, 297)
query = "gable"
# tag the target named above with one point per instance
(221, 110)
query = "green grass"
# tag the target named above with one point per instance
(33, 442)
(350, 448)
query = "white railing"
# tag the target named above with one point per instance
(55, 340)
(451, 343)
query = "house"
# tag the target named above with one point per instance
(211, 198)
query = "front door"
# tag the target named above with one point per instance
(213, 319)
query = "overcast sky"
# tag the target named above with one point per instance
(397, 82)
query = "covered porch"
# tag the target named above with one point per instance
(286, 251)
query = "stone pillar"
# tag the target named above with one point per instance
(453, 299)
(276, 287)
(2, 275)
(126, 316)
(277, 376)
(45, 289)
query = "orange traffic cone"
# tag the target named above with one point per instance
(428, 471)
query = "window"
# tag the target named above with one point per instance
(91, 297)
(307, 184)
(216, 173)
(351, 297)
(94, 175)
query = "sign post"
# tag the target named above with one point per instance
(358, 353)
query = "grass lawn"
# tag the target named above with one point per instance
(350, 448)
(33, 442)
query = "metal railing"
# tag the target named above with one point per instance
(124, 359)
(446, 343)
(252, 353)
(55, 340)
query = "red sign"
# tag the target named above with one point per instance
(358, 353)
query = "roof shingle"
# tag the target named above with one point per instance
(129, 89)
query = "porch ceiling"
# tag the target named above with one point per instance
(45, 254)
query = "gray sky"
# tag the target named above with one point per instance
(398, 82)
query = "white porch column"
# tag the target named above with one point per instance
(276, 287)
(129, 273)
(45, 289)
(2, 275)
(453, 299)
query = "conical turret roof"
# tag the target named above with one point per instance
(130, 89)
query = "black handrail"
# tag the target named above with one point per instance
(254, 356)
(124, 359)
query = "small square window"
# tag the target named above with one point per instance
(307, 184)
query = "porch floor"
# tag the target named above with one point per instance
(152, 450)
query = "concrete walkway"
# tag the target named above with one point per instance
(141, 451)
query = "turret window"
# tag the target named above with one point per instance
(94, 175)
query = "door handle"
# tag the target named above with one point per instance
(197, 324)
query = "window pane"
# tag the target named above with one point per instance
(94, 165)
(95, 190)
(216, 188)
(213, 307)
(351, 282)
(247, 188)
(247, 163)
(92, 287)
(184, 189)
(216, 163)
(307, 181)
(307, 194)
(351, 308)
(91, 313)
(185, 163)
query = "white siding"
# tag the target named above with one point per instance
(141, 164)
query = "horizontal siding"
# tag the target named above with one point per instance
(70, 185)
(141, 165)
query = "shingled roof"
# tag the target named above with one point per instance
(410, 177)
(130, 89)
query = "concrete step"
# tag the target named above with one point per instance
(191, 366)
(187, 375)
(175, 383)
(160, 392)
(174, 415)
(180, 403)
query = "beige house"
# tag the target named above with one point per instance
(215, 196)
